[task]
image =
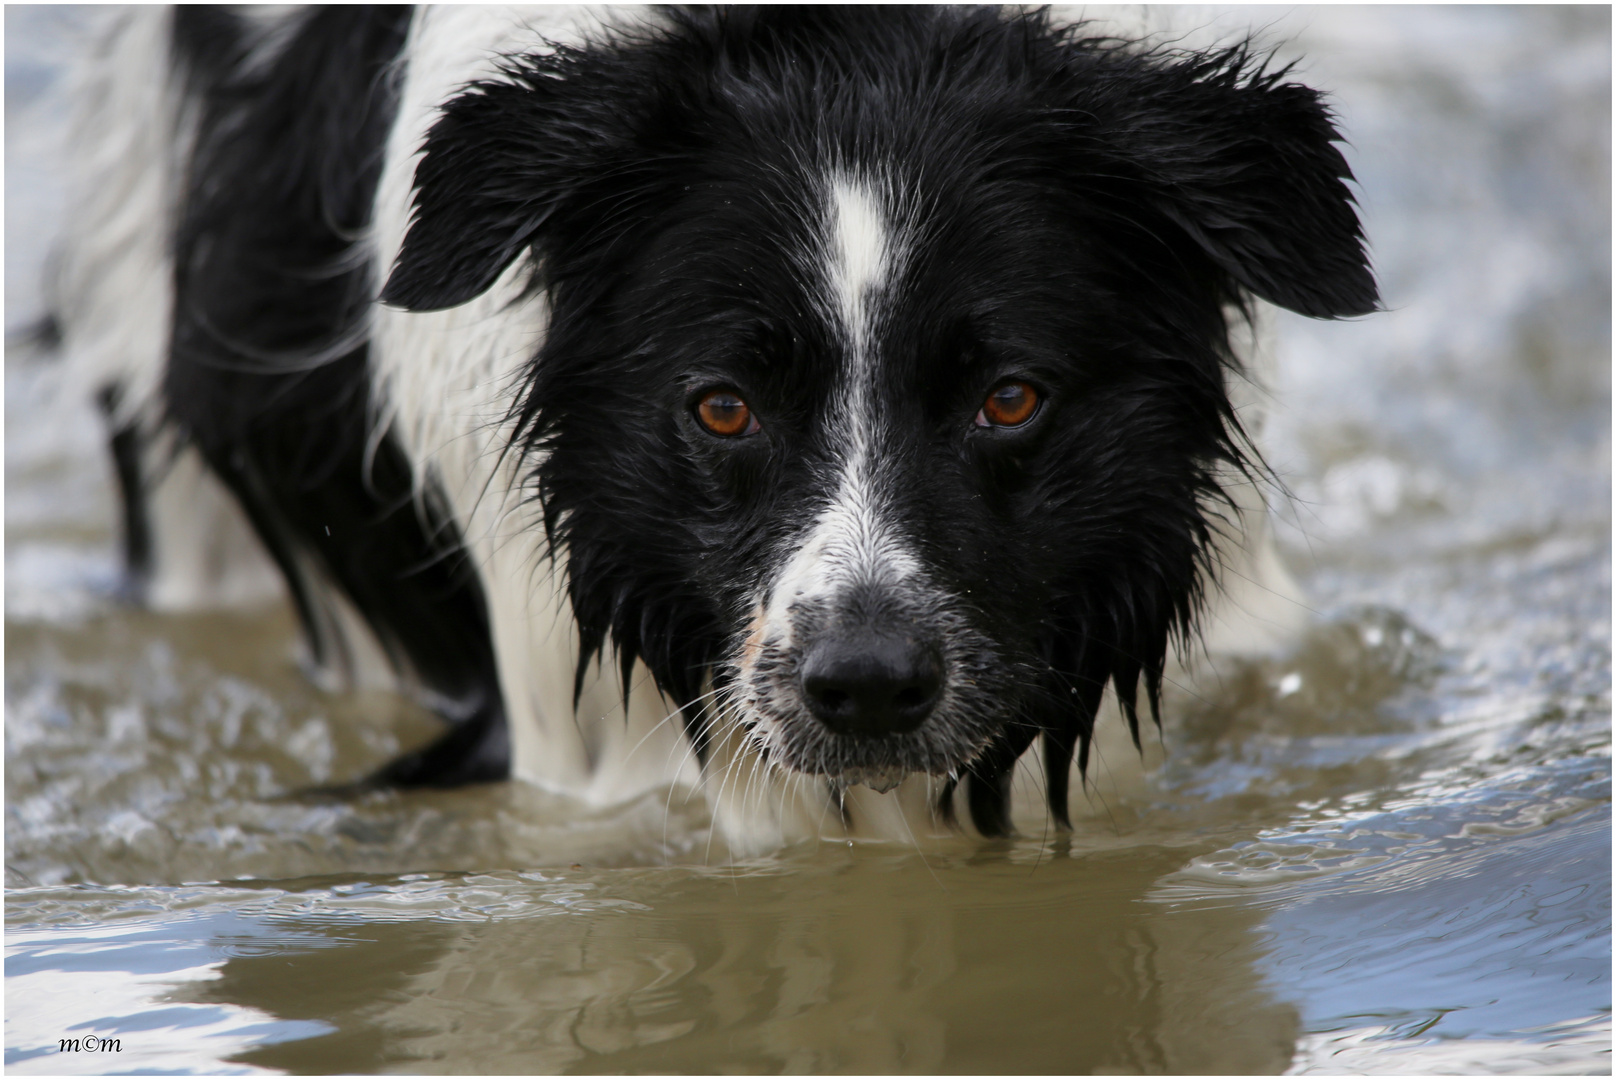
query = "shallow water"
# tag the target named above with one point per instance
(1387, 851)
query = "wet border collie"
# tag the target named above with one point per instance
(818, 407)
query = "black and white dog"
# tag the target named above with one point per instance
(821, 406)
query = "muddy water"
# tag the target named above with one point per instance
(1388, 850)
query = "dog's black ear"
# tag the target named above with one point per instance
(496, 166)
(1246, 164)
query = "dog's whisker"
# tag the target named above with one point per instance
(679, 710)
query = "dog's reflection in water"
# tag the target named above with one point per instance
(837, 962)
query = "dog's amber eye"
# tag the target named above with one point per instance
(1010, 404)
(722, 412)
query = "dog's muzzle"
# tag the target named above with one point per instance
(872, 685)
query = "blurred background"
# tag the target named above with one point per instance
(1385, 851)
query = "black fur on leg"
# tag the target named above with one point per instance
(269, 374)
(475, 750)
(1071, 732)
(987, 789)
(124, 442)
(1058, 746)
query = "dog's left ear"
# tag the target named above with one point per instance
(1247, 166)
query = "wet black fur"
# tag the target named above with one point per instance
(1091, 209)
(268, 378)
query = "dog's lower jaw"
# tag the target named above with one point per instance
(879, 780)
(843, 762)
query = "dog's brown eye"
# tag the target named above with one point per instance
(1010, 404)
(722, 412)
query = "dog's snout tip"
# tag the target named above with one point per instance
(872, 685)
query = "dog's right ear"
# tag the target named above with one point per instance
(500, 162)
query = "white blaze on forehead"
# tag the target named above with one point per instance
(859, 260)
(852, 541)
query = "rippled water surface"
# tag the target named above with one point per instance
(1386, 851)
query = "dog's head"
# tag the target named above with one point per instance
(885, 383)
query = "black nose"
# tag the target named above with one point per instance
(871, 685)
